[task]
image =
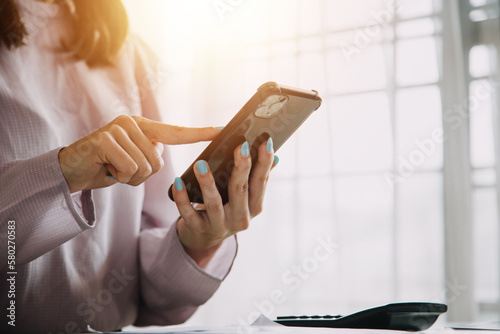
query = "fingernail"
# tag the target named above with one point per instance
(276, 160)
(245, 149)
(269, 146)
(111, 176)
(178, 184)
(219, 127)
(202, 167)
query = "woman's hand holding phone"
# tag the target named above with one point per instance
(128, 148)
(203, 227)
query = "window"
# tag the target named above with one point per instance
(482, 81)
(354, 214)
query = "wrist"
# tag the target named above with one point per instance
(201, 256)
(66, 170)
(200, 252)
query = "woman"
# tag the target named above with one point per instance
(88, 234)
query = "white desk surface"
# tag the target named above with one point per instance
(264, 325)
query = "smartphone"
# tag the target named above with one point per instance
(273, 111)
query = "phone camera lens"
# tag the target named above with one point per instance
(271, 106)
(275, 108)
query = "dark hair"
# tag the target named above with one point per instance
(99, 29)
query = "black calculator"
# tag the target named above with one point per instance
(397, 316)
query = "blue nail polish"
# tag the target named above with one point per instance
(245, 149)
(202, 167)
(111, 176)
(269, 145)
(276, 160)
(178, 184)
(219, 127)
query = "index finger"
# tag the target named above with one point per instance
(174, 135)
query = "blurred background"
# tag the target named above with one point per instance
(388, 192)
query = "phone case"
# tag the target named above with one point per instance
(274, 110)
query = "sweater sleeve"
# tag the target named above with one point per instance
(172, 285)
(36, 203)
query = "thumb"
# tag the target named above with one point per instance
(174, 135)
